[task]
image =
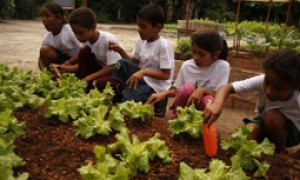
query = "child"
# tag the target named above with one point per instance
(151, 67)
(278, 104)
(60, 43)
(199, 78)
(95, 61)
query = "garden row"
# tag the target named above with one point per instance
(93, 114)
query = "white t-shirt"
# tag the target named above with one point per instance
(290, 108)
(65, 41)
(99, 48)
(210, 77)
(155, 55)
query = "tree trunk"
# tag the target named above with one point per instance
(170, 10)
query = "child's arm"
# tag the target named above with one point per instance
(163, 74)
(156, 97)
(72, 60)
(213, 111)
(104, 71)
(65, 68)
(117, 48)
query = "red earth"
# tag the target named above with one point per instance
(52, 151)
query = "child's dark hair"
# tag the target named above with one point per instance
(153, 13)
(285, 63)
(211, 41)
(84, 17)
(56, 10)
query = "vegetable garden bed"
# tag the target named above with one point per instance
(57, 131)
(52, 151)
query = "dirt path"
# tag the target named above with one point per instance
(20, 41)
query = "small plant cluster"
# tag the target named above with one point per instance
(248, 153)
(125, 157)
(189, 121)
(259, 39)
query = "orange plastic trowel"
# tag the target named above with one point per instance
(57, 73)
(210, 137)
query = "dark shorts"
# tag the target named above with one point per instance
(60, 57)
(293, 138)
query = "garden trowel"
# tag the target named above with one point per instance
(57, 73)
(210, 137)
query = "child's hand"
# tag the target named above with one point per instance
(134, 79)
(60, 68)
(112, 45)
(196, 96)
(156, 97)
(211, 113)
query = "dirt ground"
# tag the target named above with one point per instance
(20, 42)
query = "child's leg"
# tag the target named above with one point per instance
(275, 129)
(204, 100)
(181, 97)
(123, 70)
(102, 81)
(49, 55)
(87, 63)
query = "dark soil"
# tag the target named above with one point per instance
(52, 151)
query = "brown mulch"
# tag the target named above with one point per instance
(52, 151)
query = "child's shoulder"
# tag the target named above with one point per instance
(221, 63)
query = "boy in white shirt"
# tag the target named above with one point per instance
(95, 60)
(278, 104)
(151, 67)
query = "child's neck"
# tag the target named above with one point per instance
(57, 30)
(95, 37)
(153, 38)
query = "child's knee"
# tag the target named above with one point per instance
(204, 101)
(48, 52)
(274, 119)
(186, 90)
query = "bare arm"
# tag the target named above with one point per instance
(213, 111)
(104, 71)
(72, 60)
(136, 77)
(117, 48)
(156, 97)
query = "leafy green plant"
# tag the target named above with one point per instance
(10, 129)
(189, 120)
(217, 170)
(184, 46)
(125, 157)
(135, 154)
(248, 150)
(136, 110)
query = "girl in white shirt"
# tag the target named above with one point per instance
(60, 43)
(199, 78)
(278, 104)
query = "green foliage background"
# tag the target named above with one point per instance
(125, 10)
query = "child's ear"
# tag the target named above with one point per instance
(216, 54)
(158, 26)
(94, 26)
